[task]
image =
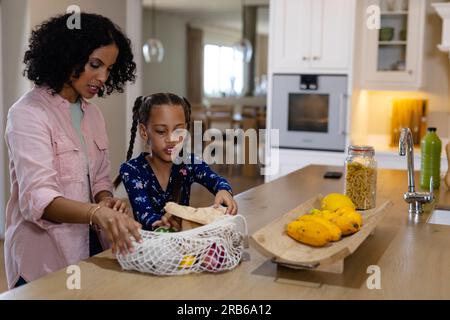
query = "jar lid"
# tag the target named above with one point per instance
(361, 149)
(431, 129)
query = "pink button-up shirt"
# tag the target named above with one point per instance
(47, 161)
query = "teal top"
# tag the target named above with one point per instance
(77, 117)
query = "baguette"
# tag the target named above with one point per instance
(199, 215)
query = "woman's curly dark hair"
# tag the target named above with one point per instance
(57, 52)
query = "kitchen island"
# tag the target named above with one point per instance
(413, 256)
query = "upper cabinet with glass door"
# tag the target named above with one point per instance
(392, 55)
(311, 36)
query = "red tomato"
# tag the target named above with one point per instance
(215, 258)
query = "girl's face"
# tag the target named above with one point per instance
(96, 72)
(161, 131)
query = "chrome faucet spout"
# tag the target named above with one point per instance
(406, 147)
(413, 198)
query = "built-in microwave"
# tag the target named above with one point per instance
(310, 111)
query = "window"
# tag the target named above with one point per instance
(223, 71)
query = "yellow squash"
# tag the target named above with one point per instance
(351, 213)
(315, 211)
(334, 230)
(334, 201)
(346, 224)
(326, 214)
(309, 232)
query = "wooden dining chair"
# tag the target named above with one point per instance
(222, 117)
(199, 112)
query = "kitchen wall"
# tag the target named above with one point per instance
(358, 126)
(170, 74)
(19, 16)
(14, 36)
(372, 114)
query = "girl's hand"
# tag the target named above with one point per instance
(224, 197)
(117, 205)
(118, 228)
(168, 221)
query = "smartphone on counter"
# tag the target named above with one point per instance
(332, 175)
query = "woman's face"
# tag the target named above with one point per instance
(96, 72)
(161, 131)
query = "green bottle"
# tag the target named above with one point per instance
(430, 148)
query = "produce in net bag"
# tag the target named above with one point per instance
(215, 247)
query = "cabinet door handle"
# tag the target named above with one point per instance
(315, 58)
(410, 72)
(305, 59)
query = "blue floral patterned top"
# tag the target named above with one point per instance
(147, 197)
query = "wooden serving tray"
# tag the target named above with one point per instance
(273, 241)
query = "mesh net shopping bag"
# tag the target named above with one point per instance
(214, 247)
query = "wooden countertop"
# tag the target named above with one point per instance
(414, 257)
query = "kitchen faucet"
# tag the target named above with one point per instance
(415, 199)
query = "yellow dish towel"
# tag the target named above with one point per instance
(408, 113)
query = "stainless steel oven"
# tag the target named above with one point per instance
(310, 111)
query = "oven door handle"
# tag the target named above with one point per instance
(342, 97)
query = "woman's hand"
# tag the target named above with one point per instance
(225, 198)
(168, 221)
(119, 228)
(117, 205)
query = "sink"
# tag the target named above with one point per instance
(440, 216)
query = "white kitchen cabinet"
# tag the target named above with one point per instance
(392, 56)
(443, 9)
(291, 160)
(391, 160)
(311, 35)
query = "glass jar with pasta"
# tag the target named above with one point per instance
(361, 176)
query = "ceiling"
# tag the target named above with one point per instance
(219, 13)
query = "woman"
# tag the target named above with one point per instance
(58, 150)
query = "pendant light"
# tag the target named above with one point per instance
(153, 49)
(243, 46)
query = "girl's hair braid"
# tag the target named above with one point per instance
(134, 125)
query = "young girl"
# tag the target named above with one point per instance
(152, 179)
